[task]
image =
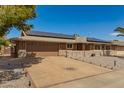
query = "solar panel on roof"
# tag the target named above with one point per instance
(49, 34)
(59, 35)
(96, 40)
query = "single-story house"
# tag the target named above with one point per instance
(48, 44)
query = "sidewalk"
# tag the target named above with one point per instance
(113, 79)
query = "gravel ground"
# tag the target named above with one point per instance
(22, 82)
(19, 83)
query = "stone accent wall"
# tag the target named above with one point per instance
(22, 53)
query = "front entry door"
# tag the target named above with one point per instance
(79, 46)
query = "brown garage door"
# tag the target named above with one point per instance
(43, 48)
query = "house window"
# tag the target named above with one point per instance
(69, 46)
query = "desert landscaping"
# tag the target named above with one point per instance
(13, 72)
(61, 72)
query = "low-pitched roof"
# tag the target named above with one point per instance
(57, 40)
(44, 39)
(50, 34)
(56, 37)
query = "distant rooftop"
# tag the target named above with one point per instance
(50, 34)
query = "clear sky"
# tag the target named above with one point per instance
(91, 21)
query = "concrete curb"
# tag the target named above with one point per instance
(33, 85)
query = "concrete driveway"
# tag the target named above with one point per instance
(66, 72)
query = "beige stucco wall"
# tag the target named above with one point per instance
(117, 53)
(120, 53)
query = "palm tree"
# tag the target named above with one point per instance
(120, 30)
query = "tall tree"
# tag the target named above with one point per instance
(16, 16)
(120, 30)
(4, 42)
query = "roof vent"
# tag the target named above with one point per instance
(76, 35)
(115, 40)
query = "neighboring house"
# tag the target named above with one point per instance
(5, 51)
(119, 47)
(36, 43)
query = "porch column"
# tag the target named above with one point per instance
(25, 45)
(111, 50)
(104, 49)
(100, 49)
(83, 47)
(93, 46)
(90, 46)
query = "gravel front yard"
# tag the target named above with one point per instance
(19, 83)
(62, 72)
(17, 65)
(106, 61)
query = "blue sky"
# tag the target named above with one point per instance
(91, 21)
